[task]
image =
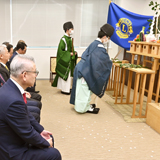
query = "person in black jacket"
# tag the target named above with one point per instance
(21, 136)
(34, 106)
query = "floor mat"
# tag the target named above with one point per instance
(126, 109)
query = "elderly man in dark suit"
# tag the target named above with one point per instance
(33, 106)
(21, 136)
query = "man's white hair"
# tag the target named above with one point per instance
(2, 49)
(21, 63)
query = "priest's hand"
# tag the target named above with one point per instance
(71, 53)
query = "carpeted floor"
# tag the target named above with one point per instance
(105, 136)
(126, 109)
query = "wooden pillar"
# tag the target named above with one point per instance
(135, 94)
(142, 94)
(129, 86)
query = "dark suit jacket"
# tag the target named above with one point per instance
(17, 126)
(14, 54)
(34, 96)
(2, 81)
(9, 62)
(4, 72)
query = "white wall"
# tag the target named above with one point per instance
(136, 6)
(42, 56)
(42, 59)
(40, 24)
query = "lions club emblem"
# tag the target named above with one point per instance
(124, 28)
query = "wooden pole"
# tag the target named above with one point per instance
(117, 55)
(108, 43)
(72, 44)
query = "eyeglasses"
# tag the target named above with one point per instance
(36, 72)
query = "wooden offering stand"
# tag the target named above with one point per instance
(137, 49)
(112, 82)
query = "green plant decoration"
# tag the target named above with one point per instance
(155, 7)
(128, 65)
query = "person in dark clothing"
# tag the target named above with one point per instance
(21, 48)
(34, 106)
(21, 136)
(91, 74)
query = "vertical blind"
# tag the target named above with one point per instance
(40, 22)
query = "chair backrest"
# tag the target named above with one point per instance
(78, 59)
(53, 65)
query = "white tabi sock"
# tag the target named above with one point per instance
(90, 109)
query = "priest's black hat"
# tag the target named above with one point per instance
(107, 29)
(67, 26)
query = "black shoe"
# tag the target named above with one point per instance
(36, 91)
(65, 93)
(95, 111)
(93, 105)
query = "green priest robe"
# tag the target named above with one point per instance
(65, 62)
